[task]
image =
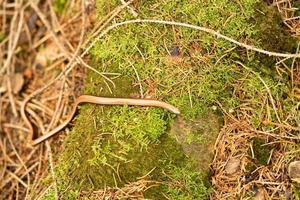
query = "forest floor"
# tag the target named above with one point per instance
(230, 67)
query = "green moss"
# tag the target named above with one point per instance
(192, 186)
(273, 36)
(197, 138)
(194, 82)
(164, 155)
(296, 190)
(203, 75)
(2, 36)
(261, 151)
(70, 195)
(114, 134)
(296, 5)
(60, 5)
(104, 7)
(49, 196)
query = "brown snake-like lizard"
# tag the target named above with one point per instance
(94, 100)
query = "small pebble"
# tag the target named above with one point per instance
(294, 171)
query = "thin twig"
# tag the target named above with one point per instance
(203, 29)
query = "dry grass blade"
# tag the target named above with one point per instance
(199, 28)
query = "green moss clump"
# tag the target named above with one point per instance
(113, 135)
(204, 74)
(296, 5)
(273, 36)
(296, 190)
(96, 168)
(192, 186)
(261, 151)
(194, 82)
(60, 5)
(70, 195)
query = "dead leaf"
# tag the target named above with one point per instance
(232, 166)
(294, 171)
(17, 82)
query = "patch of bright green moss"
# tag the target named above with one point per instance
(192, 186)
(203, 75)
(70, 195)
(194, 79)
(60, 5)
(96, 168)
(113, 135)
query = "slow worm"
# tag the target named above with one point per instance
(94, 100)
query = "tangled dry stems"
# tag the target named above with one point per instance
(25, 165)
(235, 142)
(133, 190)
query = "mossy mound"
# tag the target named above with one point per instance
(195, 71)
